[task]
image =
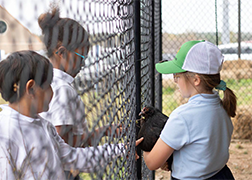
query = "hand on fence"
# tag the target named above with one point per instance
(114, 129)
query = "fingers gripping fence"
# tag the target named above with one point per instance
(120, 44)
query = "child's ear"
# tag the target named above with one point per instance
(61, 51)
(30, 85)
(197, 80)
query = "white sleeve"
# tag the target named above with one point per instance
(67, 108)
(89, 159)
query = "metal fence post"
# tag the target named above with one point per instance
(152, 63)
(160, 55)
(137, 32)
(239, 29)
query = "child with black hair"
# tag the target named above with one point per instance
(67, 45)
(30, 147)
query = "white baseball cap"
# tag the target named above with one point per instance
(201, 57)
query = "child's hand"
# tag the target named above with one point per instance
(116, 129)
(137, 143)
(113, 129)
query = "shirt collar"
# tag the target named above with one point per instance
(206, 97)
(62, 75)
(7, 110)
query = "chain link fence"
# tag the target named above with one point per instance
(225, 23)
(119, 76)
(127, 38)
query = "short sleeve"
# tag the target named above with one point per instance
(67, 108)
(175, 132)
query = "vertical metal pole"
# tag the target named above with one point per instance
(152, 66)
(137, 36)
(239, 29)
(216, 24)
(160, 55)
(225, 38)
(152, 74)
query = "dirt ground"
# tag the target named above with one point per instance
(240, 161)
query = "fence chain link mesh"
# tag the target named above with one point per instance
(107, 82)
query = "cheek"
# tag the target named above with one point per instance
(182, 88)
(180, 85)
(78, 62)
(78, 65)
(49, 95)
(74, 66)
(47, 99)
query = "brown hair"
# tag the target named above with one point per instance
(18, 68)
(229, 99)
(62, 32)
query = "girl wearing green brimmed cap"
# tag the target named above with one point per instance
(199, 132)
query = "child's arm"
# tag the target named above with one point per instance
(158, 155)
(89, 159)
(89, 138)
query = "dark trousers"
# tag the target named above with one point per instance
(224, 173)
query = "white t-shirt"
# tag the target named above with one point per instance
(200, 133)
(32, 148)
(66, 106)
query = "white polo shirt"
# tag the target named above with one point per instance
(66, 106)
(200, 133)
(33, 149)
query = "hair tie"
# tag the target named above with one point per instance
(15, 87)
(222, 86)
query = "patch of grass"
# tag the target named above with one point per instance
(231, 151)
(85, 176)
(168, 90)
(242, 89)
(169, 101)
(114, 170)
(245, 152)
(237, 167)
(169, 104)
(238, 146)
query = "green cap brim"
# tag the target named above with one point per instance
(175, 66)
(168, 67)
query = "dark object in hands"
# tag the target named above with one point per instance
(152, 123)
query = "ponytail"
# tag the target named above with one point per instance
(229, 102)
(229, 99)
